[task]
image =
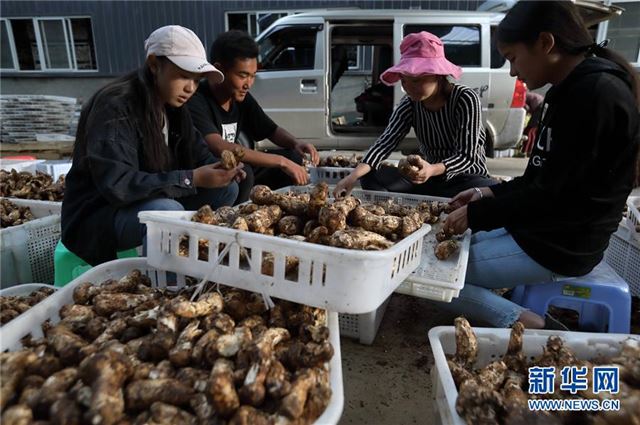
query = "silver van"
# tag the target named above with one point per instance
(319, 73)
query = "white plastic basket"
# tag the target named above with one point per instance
(20, 165)
(439, 280)
(623, 255)
(55, 168)
(363, 327)
(329, 175)
(24, 289)
(48, 309)
(632, 218)
(492, 344)
(26, 251)
(433, 279)
(38, 208)
(337, 279)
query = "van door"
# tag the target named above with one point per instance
(359, 105)
(290, 84)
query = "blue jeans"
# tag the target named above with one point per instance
(496, 261)
(131, 233)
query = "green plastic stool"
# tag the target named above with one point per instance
(68, 266)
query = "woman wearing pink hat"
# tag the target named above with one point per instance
(447, 122)
(136, 149)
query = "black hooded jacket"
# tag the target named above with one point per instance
(569, 201)
(113, 175)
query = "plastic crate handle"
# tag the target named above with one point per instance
(268, 302)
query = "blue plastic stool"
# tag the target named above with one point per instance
(601, 298)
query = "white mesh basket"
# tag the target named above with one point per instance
(20, 165)
(55, 168)
(39, 208)
(24, 289)
(492, 344)
(363, 327)
(337, 279)
(623, 255)
(329, 175)
(433, 279)
(26, 251)
(632, 218)
(48, 309)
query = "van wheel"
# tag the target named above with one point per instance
(488, 146)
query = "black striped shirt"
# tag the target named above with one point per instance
(453, 135)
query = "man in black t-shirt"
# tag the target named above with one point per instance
(226, 114)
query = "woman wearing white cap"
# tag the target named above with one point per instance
(136, 149)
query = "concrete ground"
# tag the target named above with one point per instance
(389, 381)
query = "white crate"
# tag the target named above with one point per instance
(337, 279)
(24, 290)
(55, 168)
(363, 327)
(632, 218)
(492, 344)
(623, 255)
(26, 251)
(439, 280)
(329, 175)
(48, 309)
(433, 279)
(20, 165)
(38, 208)
(332, 175)
(54, 137)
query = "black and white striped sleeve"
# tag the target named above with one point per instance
(469, 127)
(399, 125)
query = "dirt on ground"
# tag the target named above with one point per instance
(389, 381)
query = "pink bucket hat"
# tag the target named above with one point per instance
(421, 53)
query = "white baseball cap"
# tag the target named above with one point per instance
(182, 47)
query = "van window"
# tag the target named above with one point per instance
(461, 42)
(497, 60)
(288, 48)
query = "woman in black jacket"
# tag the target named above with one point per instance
(136, 149)
(555, 221)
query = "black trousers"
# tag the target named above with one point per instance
(389, 179)
(275, 178)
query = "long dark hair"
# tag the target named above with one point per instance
(527, 19)
(137, 92)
